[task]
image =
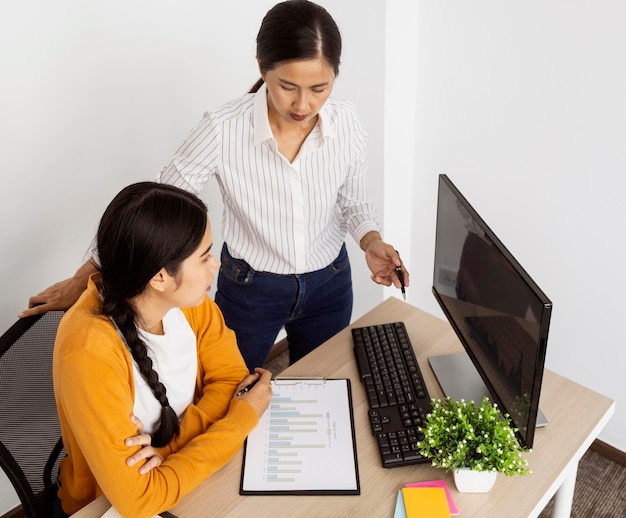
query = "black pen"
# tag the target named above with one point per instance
(401, 277)
(248, 387)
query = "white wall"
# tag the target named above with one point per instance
(522, 105)
(94, 96)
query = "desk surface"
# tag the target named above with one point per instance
(576, 414)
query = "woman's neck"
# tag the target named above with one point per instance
(154, 328)
(289, 137)
(150, 314)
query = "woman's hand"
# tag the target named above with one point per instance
(260, 395)
(383, 261)
(62, 295)
(147, 453)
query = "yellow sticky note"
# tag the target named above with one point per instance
(425, 502)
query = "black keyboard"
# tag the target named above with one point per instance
(398, 399)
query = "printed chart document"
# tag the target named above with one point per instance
(304, 442)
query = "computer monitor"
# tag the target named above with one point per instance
(498, 312)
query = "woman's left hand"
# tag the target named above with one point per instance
(147, 453)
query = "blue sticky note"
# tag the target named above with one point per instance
(400, 511)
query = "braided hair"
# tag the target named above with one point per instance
(147, 226)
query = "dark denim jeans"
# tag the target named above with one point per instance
(311, 307)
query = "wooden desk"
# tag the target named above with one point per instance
(576, 414)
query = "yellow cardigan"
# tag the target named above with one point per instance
(94, 390)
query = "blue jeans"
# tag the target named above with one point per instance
(311, 307)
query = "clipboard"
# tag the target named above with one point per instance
(112, 512)
(304, 443)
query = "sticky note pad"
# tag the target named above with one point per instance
(425, 502)
(454, 511)
(400, 511)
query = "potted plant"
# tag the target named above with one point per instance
(474, 440)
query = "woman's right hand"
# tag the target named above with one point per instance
(61, 295)
(260, 395)
(58, 297)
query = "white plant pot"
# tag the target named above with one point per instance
(471, 481)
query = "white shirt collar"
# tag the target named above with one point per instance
(326, 124)
(263, 131)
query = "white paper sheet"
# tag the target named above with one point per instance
(304, 441)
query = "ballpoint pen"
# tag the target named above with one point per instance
(247, 387)
(401, 278)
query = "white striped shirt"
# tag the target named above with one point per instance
(280, 217)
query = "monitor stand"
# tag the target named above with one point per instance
(459, 379)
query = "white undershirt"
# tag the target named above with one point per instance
(175, 359)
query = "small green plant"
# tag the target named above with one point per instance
(459, 434)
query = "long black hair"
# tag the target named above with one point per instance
(297, 30)
(147, 226)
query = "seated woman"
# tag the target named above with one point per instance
(146, 374)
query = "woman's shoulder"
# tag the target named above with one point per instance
(241, 106)
(206, 318)
(340, 106)
(84, 328)
(339, 103)
(343, 118)
(206, 309)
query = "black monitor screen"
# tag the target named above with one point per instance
(499, 313)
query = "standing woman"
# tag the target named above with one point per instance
(146, 390)
(291, 164)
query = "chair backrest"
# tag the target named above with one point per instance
(30, 435)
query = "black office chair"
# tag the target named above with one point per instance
(30, 435)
